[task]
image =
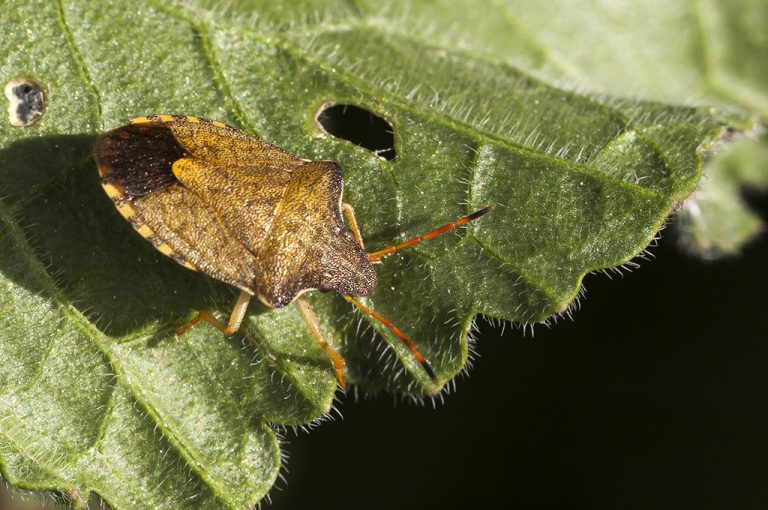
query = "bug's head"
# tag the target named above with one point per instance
(346, 268)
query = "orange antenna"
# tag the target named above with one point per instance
(378, 255)
(399, 334)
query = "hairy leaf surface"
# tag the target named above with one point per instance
(96, 394)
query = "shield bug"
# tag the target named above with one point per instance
(223, 202)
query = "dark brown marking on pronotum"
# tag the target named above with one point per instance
(245, 212)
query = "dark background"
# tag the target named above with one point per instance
(654, 397)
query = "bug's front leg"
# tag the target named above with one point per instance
(311, 321)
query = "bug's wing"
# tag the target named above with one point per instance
(216, 143)
(185, 228)
(288, 221)
(135, 164)
(246, 198)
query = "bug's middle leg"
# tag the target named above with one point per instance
(235, 318)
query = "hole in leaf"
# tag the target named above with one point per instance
(359, 126)
(26, 101)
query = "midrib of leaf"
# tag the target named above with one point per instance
(438, 116)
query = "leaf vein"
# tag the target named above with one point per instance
(79, 61)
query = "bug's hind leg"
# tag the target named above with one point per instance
(235, 318)
(305, 310)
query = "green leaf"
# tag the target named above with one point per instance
(714, 221)
(686, 52)
(96, 394)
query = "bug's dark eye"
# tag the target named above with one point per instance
(359, 126)
(325, 287)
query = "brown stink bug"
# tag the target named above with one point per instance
(223, 202)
